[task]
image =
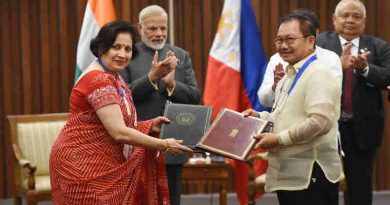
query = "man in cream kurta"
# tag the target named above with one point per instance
(304, 164)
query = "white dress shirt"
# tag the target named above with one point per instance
(267, 95)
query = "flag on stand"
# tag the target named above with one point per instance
(97, 13)
(235, 72)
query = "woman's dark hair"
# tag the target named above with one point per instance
(107, 35)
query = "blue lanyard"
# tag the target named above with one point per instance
(102, 64)
(300, 72)
(122, 91)
(120, 88)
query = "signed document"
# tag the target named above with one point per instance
(188, 122)
(231, 134)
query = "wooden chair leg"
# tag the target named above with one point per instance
(251, 193)
(32, 203)
(346, 200)
(250, 187)
(17, 200)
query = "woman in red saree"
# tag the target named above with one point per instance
(103, 155)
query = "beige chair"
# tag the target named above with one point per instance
(32, 137)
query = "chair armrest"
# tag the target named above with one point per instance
(260, 180)
(261, 155)
(24, 163)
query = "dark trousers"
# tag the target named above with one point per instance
(320, 191)
(174, 172)
(358, 166)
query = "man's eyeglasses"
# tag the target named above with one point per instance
(288, 40)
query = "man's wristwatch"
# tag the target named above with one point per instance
(364, 70)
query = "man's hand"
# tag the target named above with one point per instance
(162, 68)
(346, 57)
(173, 63)
(251, 112)
(278, 74)
(266, 141)
(361, 61)
(169, 79)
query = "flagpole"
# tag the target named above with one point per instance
(171, 23)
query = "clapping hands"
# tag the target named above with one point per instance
(164, 70)
(348, 61)
(278, 74)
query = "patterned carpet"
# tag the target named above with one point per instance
(380, 198)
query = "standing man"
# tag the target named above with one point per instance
(276, 66)
(304, 166)
(158, 74)
(366, 64)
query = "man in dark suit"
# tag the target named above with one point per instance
(366, 66)
(161, 73)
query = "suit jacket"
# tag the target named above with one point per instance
(368, 112)
(151, 103)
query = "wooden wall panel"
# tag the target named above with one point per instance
(4, 83)
(25, 56)
(38, 42)
(54, 51)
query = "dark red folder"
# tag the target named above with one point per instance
(231, 134)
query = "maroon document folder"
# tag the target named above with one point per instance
(231, 134)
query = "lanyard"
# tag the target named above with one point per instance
(300, 72)
(122, 91)
(296, 78)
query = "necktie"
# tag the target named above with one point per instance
(348, 82)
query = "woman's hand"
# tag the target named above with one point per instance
(173, 146)
(157, 122)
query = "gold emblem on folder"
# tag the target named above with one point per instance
(233, 133)
(186, 118)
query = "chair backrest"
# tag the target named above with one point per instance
(35, 135)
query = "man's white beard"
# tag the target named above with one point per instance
(155, 46)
